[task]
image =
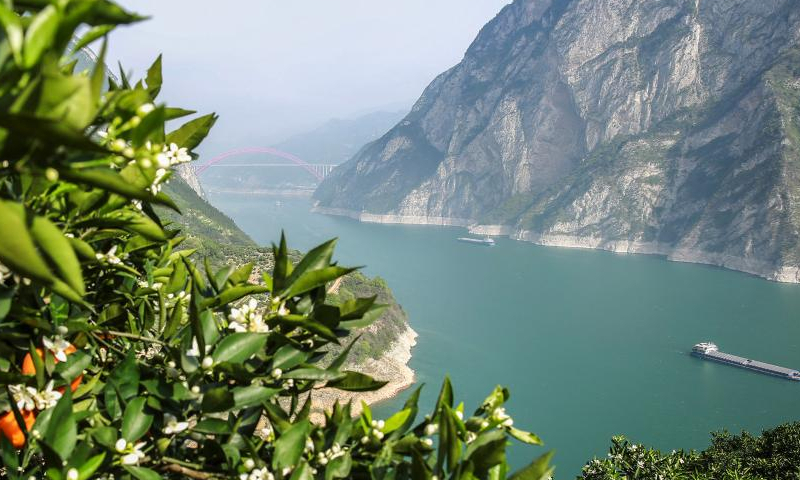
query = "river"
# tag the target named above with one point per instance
(591, 343)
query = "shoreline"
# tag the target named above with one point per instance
(392, 367)
(759, 268)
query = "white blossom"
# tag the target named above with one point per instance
(110, 257)
(57, 346)
(207, 363)
(195, 350)
(172, 425)
(176, 155)
(247, 319)
(121, 445)
(431, 429)
(24, 396)
(258, 474)
(5, 274)
(135, 454)
(155, 186)
(47, 398)
(144, 109)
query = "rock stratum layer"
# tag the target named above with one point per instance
(654, 126)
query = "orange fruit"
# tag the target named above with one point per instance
(28, 368)
(10, 429)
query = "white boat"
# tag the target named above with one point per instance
(489, 242)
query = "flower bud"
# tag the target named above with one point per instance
(51, 174)
(121, 445)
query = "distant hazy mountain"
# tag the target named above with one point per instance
(659, 126)
(337, 140)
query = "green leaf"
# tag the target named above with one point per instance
(342, 357)
(193, 132)
(74, 366)
(40, 35)
(6, 298)
(142, 473)
(106, 12)
(445, 396)
(232, 294)
(129, 221)
(313, 373)
(288, 357)
(356, 308)
(313, 279)
(66, 99)
(486, 451)
(61, 430)
(302, 472)
(252, 395)
(90, 466)
(449, 443)
(50, 132)
(58, 248)
(289, 446)
(357, 382)
(14, 34)
(154, 78)
(496, 399)
(373, 314)
(218, 400)
(92, 35)
(83, 249)
(113, 182)
(317, 258)
(122, 384)
(539, 469)
(397, 420)
(239, 347)
(339, 467)
(135, 422)
(171, 113)
(241, 274)
(213, 426)
(526, 437)
(18, 251)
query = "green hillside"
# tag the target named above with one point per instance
(218, 238)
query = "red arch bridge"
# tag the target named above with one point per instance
(317, 170)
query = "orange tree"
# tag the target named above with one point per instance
(186, 371)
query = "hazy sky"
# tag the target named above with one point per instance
(271, 68)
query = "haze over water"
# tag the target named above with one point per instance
(592, 344)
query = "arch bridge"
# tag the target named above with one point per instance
(318, 170)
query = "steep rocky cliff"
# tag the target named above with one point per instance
(658, 126)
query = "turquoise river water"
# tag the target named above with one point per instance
(592, 344)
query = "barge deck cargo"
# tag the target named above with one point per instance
(710, 351)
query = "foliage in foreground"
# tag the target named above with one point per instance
(120, 356)
(773, 455)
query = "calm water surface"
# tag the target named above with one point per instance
(591, 344)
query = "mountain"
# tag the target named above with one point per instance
(337, 140)
(655, 126)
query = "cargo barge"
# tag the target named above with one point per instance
(710, 351)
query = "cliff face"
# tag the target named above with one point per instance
(664, 126)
